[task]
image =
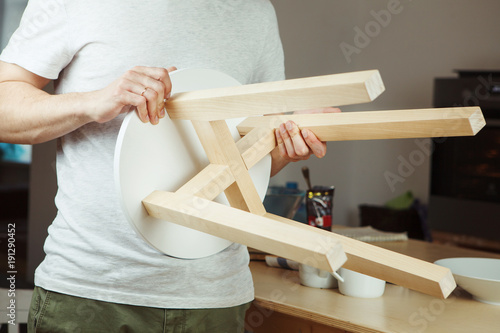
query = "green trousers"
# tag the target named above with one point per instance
(53, 312)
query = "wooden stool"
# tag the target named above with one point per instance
(246, 221)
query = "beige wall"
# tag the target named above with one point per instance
(417, 42)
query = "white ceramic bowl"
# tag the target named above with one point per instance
(316, 278)
(360, 285)
(478, 276)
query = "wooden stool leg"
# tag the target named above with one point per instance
(268, 235)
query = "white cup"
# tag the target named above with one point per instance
(360, 285)
(316, 278)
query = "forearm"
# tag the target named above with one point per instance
(29, 115)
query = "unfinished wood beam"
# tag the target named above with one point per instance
(387, 265)
(372, 125)
(276, 97)
(209, 182)
(255, 145)
(262, 233)
(220, 147)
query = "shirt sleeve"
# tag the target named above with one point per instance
(271, 64)
(41, 42)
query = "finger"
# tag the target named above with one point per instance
(158, 79)
(164, 77)
(142, 111)
(159, 87)
(317, 147)
(155, 94)
(145, 101)
(299, 145)
(168, 88)
(152, 105)
(319, 110)
(167, 83)
(139, 102)
(160, 75)
(152, 90)
(281, 144)
(331, 110)
(287, 142)
(130, 93)
(153, 72)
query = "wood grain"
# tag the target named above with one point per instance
(259, 232)
(220, 147)
(209, 182)
(255, 145)
(260, 319)
(373, 125)
(387, 265)
(276, 97)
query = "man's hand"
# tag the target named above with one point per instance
(145, 88)
(295, 145)
(30, 115)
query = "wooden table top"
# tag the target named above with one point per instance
(398, 310)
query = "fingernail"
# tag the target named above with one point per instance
(156, 120)
(289, 126)
(320, 153)
(168, 96)
(146, 119)
(304, 133)
(162, 113)
(282, 128)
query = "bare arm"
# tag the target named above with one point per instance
(30, 115)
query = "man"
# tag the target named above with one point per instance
(109, 58)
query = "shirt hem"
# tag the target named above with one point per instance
(153, 301)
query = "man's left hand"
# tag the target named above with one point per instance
(294, 144)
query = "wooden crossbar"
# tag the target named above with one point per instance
(373, 125)
(255, 145)
(262, 233)
(220, 147)
(209, 182)
(276, 97)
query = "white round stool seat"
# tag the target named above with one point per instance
(165, 157)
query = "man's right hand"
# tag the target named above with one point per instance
(29, 115)
(145, 88)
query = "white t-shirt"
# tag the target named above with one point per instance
(91, 250)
